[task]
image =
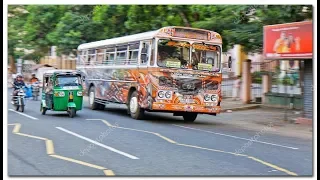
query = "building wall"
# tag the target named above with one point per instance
(40, 71)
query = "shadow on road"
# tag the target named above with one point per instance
(161, 118)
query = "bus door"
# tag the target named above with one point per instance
(145, 51)
(144, 57)
(144, 62)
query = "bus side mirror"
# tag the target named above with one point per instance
(229, 62)
(144, 50)
(83, 78)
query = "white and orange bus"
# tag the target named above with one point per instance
(173, 69)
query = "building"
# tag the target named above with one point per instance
(289, 43)
(39, 69)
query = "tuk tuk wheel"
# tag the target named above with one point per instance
(43, 110)
(72, 112)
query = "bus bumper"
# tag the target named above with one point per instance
(186, 108)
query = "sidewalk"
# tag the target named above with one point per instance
(256, 117)
(293, 116)
(242, 117)
(228, 104)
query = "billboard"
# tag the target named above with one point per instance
(288, 41)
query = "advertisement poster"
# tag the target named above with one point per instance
(288, 41)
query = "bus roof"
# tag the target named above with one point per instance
(131, 38)
(60, 71)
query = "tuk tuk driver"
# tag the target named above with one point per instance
(49, 93)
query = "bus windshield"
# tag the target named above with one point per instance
(205, 57)
(174, 54)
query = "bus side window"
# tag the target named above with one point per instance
(144, 53)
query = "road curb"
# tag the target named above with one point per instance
(303, 121)
(255, 106)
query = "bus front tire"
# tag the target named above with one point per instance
(101, 106)
(190, 117)
(135, 110)
(93, 105)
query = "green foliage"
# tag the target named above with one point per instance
(37, 27)
(256, 77)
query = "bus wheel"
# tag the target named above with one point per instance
(101, 106)
(93, 105)
(134, 108)
(190, 117)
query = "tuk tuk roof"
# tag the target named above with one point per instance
(62, 72)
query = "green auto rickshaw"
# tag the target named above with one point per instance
(62, 91)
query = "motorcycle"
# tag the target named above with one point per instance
(19, 99)
(35, 90)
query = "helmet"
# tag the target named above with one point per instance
(19, 76)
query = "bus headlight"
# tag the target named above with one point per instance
(215, 99)
(211, 98)
(168, 94)
(206, 97)
(161, 94)
(79, 93)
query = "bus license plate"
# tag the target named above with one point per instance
(188, 99)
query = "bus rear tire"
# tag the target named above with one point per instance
(101, 106)
(135, 110)
(92, 104)
(190, 117)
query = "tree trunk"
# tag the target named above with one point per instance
(184, 18)
(12, 65)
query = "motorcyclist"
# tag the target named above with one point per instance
(18, 82)
(33, 79)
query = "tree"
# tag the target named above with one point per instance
(244, 24)
(37, 27)
(16, 19)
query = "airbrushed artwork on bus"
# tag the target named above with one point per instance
(172, 69)
(158, 89)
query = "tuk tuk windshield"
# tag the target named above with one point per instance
(67, 81)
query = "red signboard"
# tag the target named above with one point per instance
(288, 41)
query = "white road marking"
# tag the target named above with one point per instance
(273, 170)
(97, 143)
(23, 114)
(236, 137)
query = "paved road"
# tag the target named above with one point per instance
(109, 142)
